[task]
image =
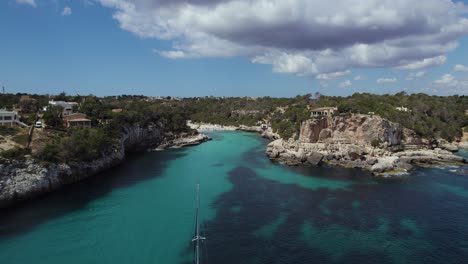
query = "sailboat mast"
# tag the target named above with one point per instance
(197, 237)
(198, 226)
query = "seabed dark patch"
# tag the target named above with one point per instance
(368, 224)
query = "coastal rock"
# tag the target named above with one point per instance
(315, 158)
(443, 144)
(347, 141)
(463, 145)
(384, 165)
(20, 180)
(356, 129)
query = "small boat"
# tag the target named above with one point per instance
(197, 238)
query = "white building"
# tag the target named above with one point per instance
(402, 109)
(324, 111)
(8, 117)
(66, 106)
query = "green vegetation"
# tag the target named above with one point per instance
(376, 142)
(8, 130)
(431, 117)
(21, 139)
(53, 116)
(79, 144)
(15, 153)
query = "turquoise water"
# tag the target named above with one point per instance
(253, 211)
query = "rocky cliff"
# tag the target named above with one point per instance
(361, 141)
(20, 180)
(356, 129)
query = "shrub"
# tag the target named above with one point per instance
(15, 153)
(8, 130)
(376, 142)
(50, 152)
(21, 139)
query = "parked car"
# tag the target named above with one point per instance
(38, 124)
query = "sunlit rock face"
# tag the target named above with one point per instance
(356, 129)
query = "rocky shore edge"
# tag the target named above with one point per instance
(363, 141)
(346, 142)
(21, 180)
(380, 162)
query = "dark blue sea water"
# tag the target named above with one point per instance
(253, 211)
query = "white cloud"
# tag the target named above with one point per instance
(288, 63)
(66, 11)
(345, 84)
(449, 84)
(447, 79)
(460, 68)
(360, 78)
(416, 75)
(430, 62)
(26, 2)
(333, 75)
(387, 80)
(301, 37)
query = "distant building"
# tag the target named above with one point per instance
(323, 111)
(66, 106)
(466, 112)
(117, 110)
(402, 109)
(76, 120)
(8, 117)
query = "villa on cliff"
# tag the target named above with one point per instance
(323, 111)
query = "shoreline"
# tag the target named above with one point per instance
(381, 163)
(26, 179)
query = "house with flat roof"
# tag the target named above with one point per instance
(323, 111)
(76, 120)
(66, 106)
(8, 117)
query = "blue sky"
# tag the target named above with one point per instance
(108, 47)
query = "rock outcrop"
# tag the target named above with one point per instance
(20, 180)
(361, 141)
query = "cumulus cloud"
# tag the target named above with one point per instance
(360, 78)
(301, 37)
(447, 79)
(460, 68)
(345, 84)
(430, 62)
(449, 84)
(66, 11)
(333, 75)
(416, 75)
(26, 2)
(387, 80)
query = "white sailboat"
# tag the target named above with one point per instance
(197, 239)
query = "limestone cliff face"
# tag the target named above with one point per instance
(347, 141)
(20, 180)
(356, 129)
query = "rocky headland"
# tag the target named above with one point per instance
(362, 141)
(23, 179)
